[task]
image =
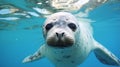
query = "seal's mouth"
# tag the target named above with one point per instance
(60, 39)
(60, 43)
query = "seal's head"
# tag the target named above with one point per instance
(60, 30)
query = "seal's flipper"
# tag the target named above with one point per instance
(105, 56)
(37, 55)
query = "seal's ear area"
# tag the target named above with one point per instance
(105, 56)
(37, 55)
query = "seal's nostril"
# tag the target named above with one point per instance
(62, 34)
(59, 35)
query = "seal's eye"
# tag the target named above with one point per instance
(48, 26)
(72, 26)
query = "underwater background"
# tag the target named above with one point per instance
(20, 38)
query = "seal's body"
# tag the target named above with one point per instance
(69, 42)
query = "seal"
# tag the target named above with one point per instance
(68, 42)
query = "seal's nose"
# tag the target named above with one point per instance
(60, 35)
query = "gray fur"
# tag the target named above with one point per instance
(74, 55)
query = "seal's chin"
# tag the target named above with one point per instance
(60, 43)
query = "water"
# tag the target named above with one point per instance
(19, 39)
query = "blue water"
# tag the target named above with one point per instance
(15, 45)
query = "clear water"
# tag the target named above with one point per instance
(26, 37)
